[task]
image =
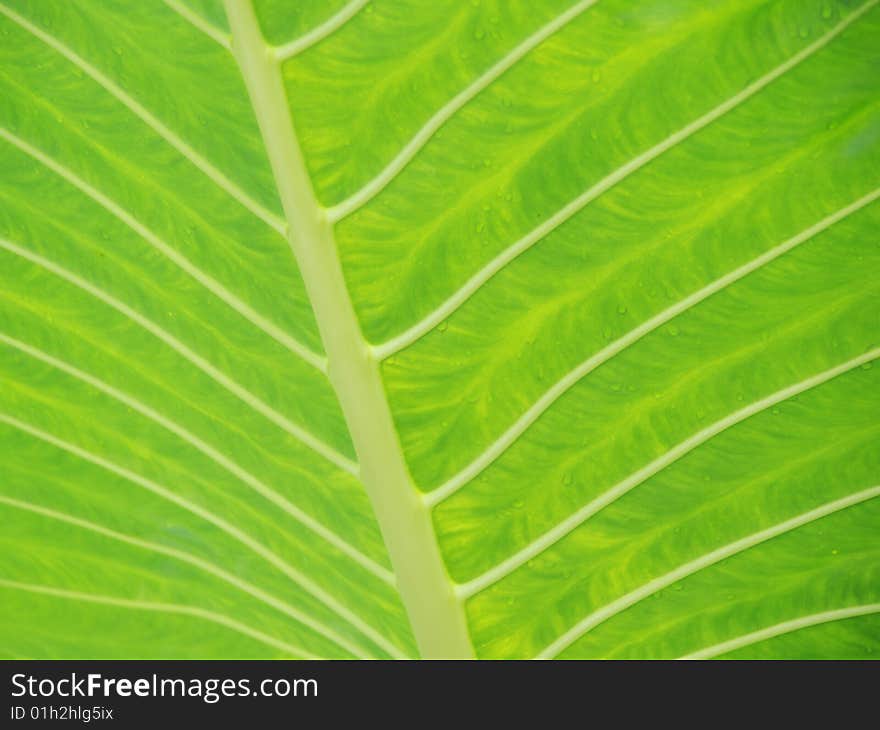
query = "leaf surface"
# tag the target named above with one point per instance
(497, 328)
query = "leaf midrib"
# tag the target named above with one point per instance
(435, 612)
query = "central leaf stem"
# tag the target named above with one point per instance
(436, 615)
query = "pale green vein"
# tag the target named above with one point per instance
(435, 614)
(185, 557)
(475, 282)
(134, 106)
(319, 33)
(683, 571)
(566, 526)
(442, 115)
(333, 456)
(786, 627)
(216, 456)
(199, 23)
(173, 608)
(256, 547)
(223, 294)
(570, 379)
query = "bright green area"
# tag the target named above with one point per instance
(282, 20)
(211, 11)
(176, 474)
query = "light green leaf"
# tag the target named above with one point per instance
(402, 328)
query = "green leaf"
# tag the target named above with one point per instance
(403, 328)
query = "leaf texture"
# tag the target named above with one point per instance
(492, 329)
